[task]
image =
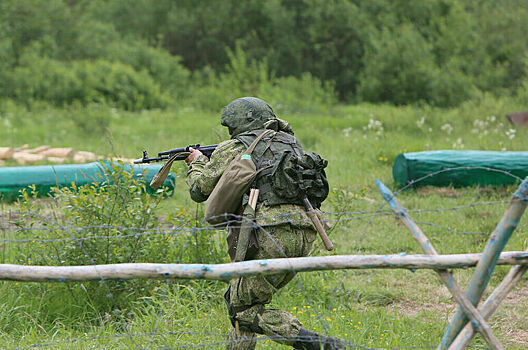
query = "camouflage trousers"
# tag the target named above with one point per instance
(246, 297)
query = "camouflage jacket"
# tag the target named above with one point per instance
(204, 173)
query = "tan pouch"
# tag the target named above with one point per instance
(225, 200)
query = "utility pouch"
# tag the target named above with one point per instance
(232, 243)
(225, 200)
(295, 177)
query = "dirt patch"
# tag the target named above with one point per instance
(512, 317)
(510, 320)
(441, 191)
(411, 308)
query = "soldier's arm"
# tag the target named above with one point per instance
(204, 173)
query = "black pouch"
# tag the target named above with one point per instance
(294, 177)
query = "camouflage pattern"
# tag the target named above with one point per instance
(257, 291)
(245, 114)
(268, 154)
(203, 175)
(288, 174)
(284, 231)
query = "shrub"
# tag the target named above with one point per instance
(164, 68)
(249, 77)
(399, 67)
(110, 224)
(83, 81)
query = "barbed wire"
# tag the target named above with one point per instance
(347, 343)
(17, 221)
(167, 230)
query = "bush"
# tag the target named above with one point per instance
(164, 68)
(435, 51)
(295, 95)
(82, 81)
(399, 67)
(110, 224)
(249, 77)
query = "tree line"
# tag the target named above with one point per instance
(146, 53)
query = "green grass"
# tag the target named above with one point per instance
(373, 308)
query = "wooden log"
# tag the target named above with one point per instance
(490, 305)
(6, 152)
(247, 268)
(59, 152)
(496, 242)
(38, 149)
(446, 276)
(124, 160)
(56, 160)
(25, 158)
(22, 148)
(84, 157)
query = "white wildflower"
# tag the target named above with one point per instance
(420, 123)
(511, 133)
(458, 143)
(374, 125)
(447, 128)
(347, 132)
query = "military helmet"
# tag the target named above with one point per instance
(245, 114)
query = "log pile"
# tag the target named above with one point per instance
(45, 154)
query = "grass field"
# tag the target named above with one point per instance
(370, 308)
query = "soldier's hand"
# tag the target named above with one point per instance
(194, 154)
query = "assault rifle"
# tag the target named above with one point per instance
(166, 155)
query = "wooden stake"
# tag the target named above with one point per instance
(445, 275)
(496, 243)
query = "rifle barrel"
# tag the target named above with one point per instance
(206, 150)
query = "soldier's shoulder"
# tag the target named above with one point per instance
(229, 146)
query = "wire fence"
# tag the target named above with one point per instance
(33, 237)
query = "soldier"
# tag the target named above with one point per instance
(293, 236)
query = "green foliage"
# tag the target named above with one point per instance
(377, 309)
(398, 67)
(101, 81)
(112, 223)
(404, 51)
(249, 77)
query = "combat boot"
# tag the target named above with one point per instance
(307, 340)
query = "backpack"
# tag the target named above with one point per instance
(294, 178)
(288, 175)
(224, 202)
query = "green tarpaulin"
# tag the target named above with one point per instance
(44, 177)
(460, 168)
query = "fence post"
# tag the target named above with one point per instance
(486, 265)
(491, 304)
(445, 275)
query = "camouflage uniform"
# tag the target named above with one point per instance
(284, 231)
(292, 239)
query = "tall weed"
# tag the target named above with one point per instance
(110, 223)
